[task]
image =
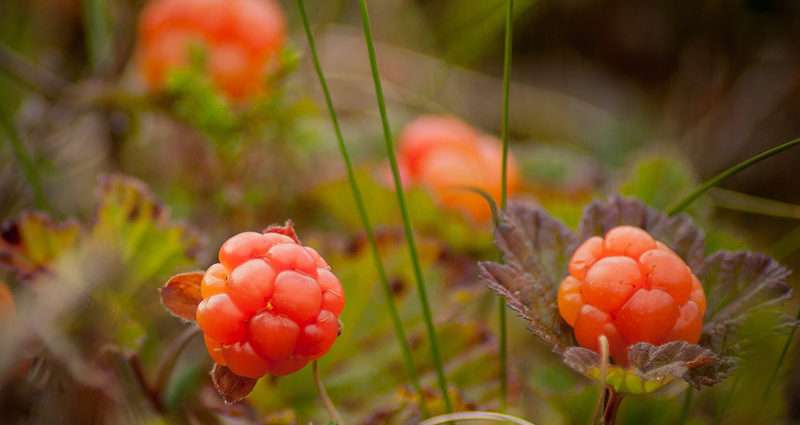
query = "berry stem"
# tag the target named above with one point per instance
(475, 416)
(504, 197)
(603, 343)
(409, 233)
(323, 394)
(25, 161)
(710, 183)
(362, 212)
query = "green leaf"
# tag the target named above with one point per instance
(678, 232)
(737, 283)
(652, 367)
(536, 249)
(658, 180)
(33, 242)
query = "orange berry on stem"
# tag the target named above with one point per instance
(586, 255)
(297, 296)
(318, 337)
(668, 272)
(629, 241)
(214, 281)
(292, 257)
(593, 322)
(332, 293)
(221, 319)
(648, 316)
(251, 285)
(242, 360)
(214, 349)
(273, 337)
(242, 247)
(570, 300)
(610, 282)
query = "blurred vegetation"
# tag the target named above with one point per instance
(645, 99)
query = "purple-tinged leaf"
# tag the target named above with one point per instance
(230, 386)
(536, 249)
(695, 364)
(181, 294)
(678, 232)
(735, 284)
(651, 367)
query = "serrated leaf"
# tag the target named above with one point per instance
(536, 249)
(678, 232)
(34, 241)
(181, 294)
(652, 367)
(735, 284)
(695, 364)
(230, 386)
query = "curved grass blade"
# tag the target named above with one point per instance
(25, 161)
(708, 184)
(504, 197)
(362, 211)
(401, 200)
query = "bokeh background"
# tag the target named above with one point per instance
(642, 98)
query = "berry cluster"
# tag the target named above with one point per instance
(240, 38)
(630, 288)
(447, 155)
(270, 305)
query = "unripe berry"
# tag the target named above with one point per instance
(630, 288)
(270, 305)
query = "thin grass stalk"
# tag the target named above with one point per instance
(504, 197)
(712, 182)
(25, 161)
(401, 200)
(95, 19)
(362, 212)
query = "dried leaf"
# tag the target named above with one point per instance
(287, 229)
(230, 386)
(181, 294)
(678, 232)
(735, 284)
(536, 249)
(34, 241)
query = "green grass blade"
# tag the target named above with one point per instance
(401, 200)
(25, 161)
(362, 210)
(708, 184)
(504, 197)
(98, 36)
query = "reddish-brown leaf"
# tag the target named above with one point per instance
(287, 230)
(181, 294)
(230, 386)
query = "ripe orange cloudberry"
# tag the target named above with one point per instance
(241, 38)
(630, 288)
(269, 306)
(446, 155)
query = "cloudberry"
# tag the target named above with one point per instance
(630, 288)
(270, 305)
(446, 155)
(240, 38)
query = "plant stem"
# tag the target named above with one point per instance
(25, 161)
(323, 395)
(774, 375)
(95, 20)
(599, 406)
(504, 198)
(475, 416)
(737, 201)
(613, 400)
(685, 407)
(409, 233)
(708, 184)
(362, 212)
